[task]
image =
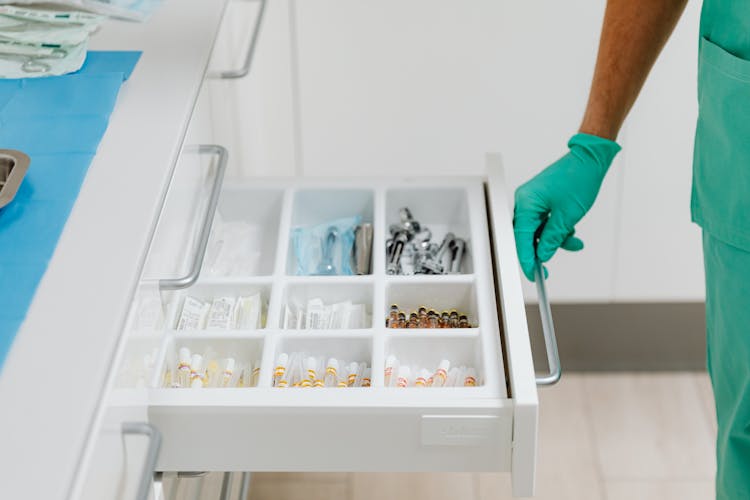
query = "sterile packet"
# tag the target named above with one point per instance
(247, 312)
(325, 249)
(221, 314)
(193, 315)
(133, 10)
(233, 249)
(31, 61)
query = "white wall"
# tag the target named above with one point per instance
(362, 87)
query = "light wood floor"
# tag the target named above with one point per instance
(602, 437)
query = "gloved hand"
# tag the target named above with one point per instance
(550, 205)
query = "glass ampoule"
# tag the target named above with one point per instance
(183, 367)
(390, 364)
(281, 366)
(332, 373)
(228, 373)
(366, 378)
(404, 374)
(441, 374)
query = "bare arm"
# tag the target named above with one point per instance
(633, 34)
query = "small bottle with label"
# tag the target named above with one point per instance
(403, 377)
(441, 375)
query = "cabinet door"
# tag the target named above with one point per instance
(252, 116)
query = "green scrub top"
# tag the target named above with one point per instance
(721, 169)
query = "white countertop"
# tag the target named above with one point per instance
(52, 383)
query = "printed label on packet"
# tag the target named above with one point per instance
(193, 314)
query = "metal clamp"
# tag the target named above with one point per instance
(548, 328)
(13, 166)
(152, 455)
(205, 231)
(245, 69)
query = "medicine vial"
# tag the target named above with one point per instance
(393, 316)
(228, 373)
(422, 378)
(311, 365)
(454, 323)
(403, 377)
(332, 373)
(366, 380)
(280, 370)
(423, 320)
(183, 368)
(196, 371)
(441, 375)
(390, 364)
(471, 378)
(352, 377)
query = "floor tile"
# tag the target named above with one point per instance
(660, 490)
(567, 465)
(301, 476)
(279, 488)
(422, 486)
(650, 426)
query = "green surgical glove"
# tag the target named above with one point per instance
(550, 205)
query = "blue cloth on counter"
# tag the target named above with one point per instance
(58, 121)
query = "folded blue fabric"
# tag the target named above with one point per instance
(58, 122)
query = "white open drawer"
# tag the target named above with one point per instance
(490, 427)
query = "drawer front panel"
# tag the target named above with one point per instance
(303, 439)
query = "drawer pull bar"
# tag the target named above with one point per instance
(245, 69)
(550, 339)
(154, 445)
(205, 231)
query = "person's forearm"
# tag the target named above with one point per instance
(633, 34)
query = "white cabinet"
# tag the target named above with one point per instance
(490, 426)
(253, 116)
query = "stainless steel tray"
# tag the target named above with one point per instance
(13, 167)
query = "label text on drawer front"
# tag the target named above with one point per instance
(459, 430)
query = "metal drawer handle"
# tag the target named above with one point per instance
(154, 445)
(550, 339)
(245, 69)
(200, 251)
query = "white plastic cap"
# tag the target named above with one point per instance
(230, 364)
(184, 355)
(333, 363)
(444, 365)
(283, 359)
(391, 360)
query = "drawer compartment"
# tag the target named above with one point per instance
(333, 385)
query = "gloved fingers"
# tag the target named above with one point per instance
(553, 235)
(572, 243)
(525, 225)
